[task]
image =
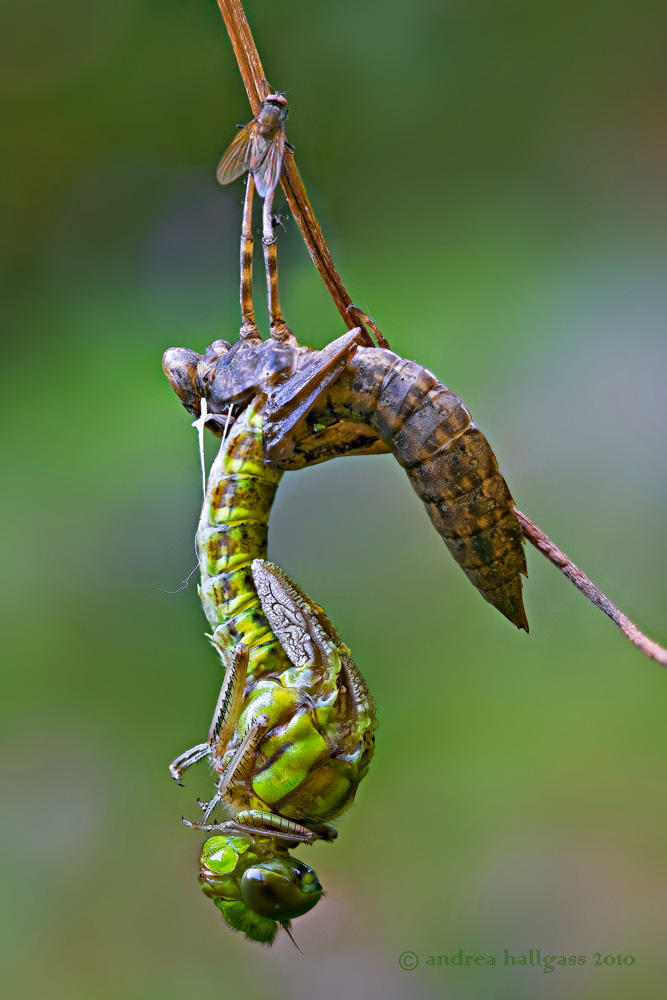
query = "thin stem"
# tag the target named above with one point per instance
(257, 87)
(576, 576)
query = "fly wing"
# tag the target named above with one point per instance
(237, 158)
(267, 162)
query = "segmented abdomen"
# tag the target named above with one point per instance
(450, 464)
(233, 530)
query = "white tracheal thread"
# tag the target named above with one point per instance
(199, 425)
(224, 433)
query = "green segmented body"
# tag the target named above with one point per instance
(293, 730)
(318, 741)
(233, 530)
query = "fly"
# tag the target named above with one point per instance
(259, 147)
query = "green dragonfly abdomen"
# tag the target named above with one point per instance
(294, 773)
(233, 530)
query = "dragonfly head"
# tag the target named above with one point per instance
(254, 892)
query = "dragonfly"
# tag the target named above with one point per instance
(292, 734)
(258, 150)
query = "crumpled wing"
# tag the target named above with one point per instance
(294, 618)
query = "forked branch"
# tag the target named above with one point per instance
(257, 87)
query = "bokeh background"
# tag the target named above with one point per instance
(490, 176)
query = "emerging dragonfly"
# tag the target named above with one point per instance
(292, 733)
(259, 149)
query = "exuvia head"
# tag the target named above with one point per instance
(188, 371)
(228, 375)
(255, 891)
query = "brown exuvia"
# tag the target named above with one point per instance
(352, 400)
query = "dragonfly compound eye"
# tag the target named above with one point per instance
(281, 889)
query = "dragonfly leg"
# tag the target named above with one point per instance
(326, 833)
(224, 717)
(279, 329)
(223, 826)
(261, 823)
(208, 807)
(269, 824)
(228, 706)
(187, 759)
(249, 330)
(238, 768)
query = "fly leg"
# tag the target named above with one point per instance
(249, 330)
(225, 716)
(278, 327)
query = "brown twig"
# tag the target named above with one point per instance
(576, 576)
(257, 87)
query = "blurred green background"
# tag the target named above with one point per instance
(490, 177)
